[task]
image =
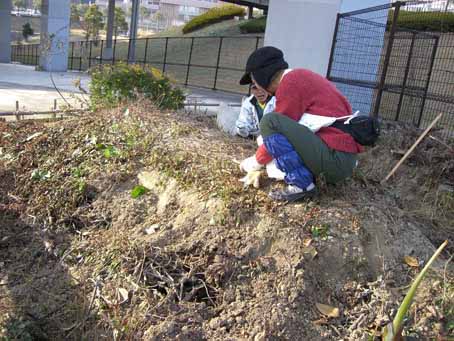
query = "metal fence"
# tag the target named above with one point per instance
(388, 68)
(208, 62)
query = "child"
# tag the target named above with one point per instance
(253, 109)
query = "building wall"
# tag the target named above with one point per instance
(175, 12)
(303, 29)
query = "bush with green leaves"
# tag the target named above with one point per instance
(93, 22)
(212, 16)
(424, 21)
(112, 85)
(257, 25)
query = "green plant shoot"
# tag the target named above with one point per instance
(393, 331)
(138, 191)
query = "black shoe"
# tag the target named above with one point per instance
(292, 193)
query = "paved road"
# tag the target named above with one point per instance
(35, 91)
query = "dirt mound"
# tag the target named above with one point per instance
(199, 257)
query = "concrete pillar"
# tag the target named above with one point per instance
(5, 31)
(55, 25)
(303, 29)
(250, 12)
(133, 30)
(108, 53)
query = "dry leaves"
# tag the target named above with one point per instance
(147, 179)
(310, 252)
(31, 137)
(411, 261)
(123, 295)
(152, 229)
(307, 242)
(328, 310)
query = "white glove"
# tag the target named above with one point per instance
(252, 178)
(250, 164)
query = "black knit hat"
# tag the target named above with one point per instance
(263, 65)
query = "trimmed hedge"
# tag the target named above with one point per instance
(424, 21)
(254, 25)
(113, 84)
(212, 16)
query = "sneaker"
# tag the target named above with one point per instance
(293, 193)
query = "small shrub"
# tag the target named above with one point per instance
(254, 25)
(424, 21)
(27, 31)
(114, 84)
(212, 16)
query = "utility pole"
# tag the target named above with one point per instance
(110, 24)
(133, 30)
(250, 12)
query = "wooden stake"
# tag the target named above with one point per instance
(17, 110)
(54, 115)
(407, 154)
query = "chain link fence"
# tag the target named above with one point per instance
(396, 61)
(208, 62)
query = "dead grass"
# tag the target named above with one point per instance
(199, 257)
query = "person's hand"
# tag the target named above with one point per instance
(250, 164)
(252, 178)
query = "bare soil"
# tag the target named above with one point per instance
(198, 257)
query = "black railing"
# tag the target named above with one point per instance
(207, 62)
(388, 68)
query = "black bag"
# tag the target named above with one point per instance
(364, 129)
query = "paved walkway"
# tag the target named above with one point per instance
(35, 91)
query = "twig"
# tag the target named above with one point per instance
(57, 89)
(445, 279)
(407, 154)
(358, 322)
(49, 47)
(74, 112)
(336, 330)
(208, 294)
(141, 268)
(442, 143)
(87, 314)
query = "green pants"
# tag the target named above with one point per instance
(334, 165)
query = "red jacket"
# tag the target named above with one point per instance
(302, 91)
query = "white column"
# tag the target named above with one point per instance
(55, 26)
(5, 31)
(303, 29)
